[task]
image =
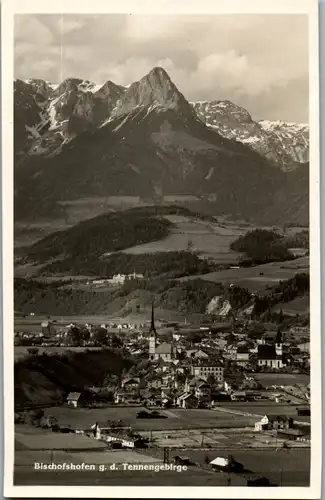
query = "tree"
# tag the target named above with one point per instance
(75, 335)
(116, 341)
(100, 336)
(281, 317)
(48, 421)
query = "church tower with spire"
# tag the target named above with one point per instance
(152, 335)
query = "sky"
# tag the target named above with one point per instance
(258, 61)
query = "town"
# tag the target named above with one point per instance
(209, 390)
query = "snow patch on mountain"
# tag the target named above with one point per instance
(286, 144)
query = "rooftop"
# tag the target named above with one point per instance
(165, 348)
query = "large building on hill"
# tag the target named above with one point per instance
(166, 351)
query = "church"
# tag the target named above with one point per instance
(164, 351)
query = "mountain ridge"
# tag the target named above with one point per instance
(145, 140)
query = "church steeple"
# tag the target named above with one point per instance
(152, 335)
(152, 326)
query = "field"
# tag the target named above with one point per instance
(27, 233)
(299, 305)
(208, 239)
(286, 467)
(281, 466)
(231, 416)
(268, 379)
(259, 277)
(81, 418)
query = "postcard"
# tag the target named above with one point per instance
(161, 249)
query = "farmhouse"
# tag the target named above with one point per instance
(74, 399)
(48, 327)
(273, 423)
(131, 384)
(187, 400)
(290, 434)
(226, 464)
(233, 381)
(238, 396)
(203, 392)
(124, 440)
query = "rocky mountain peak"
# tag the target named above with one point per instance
(155, 88)
(285, 144)
(222, 111)
(110, 91)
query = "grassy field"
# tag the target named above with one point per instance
(299, 305)
(208, 239)
(226, 416)
(268, 379)
(259, 277)
(285, 467)
(81, 418)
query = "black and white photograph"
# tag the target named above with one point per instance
(161, 269)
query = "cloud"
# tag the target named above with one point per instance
(255, 60)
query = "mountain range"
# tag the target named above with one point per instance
(77, 140)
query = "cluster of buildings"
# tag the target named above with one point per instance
(118, 279)
(189, 375)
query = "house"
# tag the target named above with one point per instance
(267, 356)
(233, 381)
(205, 368)
(230, 352)
(131, 384)
(238, 396)
(303, 411)
(74, 399)
(192, 383)
(290, 434)
(253, 395)
(273, 423)
(155, 383)
(196, 353)
(124, 440)
(304, 347)
(262, 425)
(203, 392)
(187, 400)
(226, 464)
(242, 356)
(48, 327)
(126, 397)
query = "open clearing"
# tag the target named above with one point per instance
(269, 379)
(300, 305)
(81, 418)
(259, 277)
(208, 239)
(227, 417)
